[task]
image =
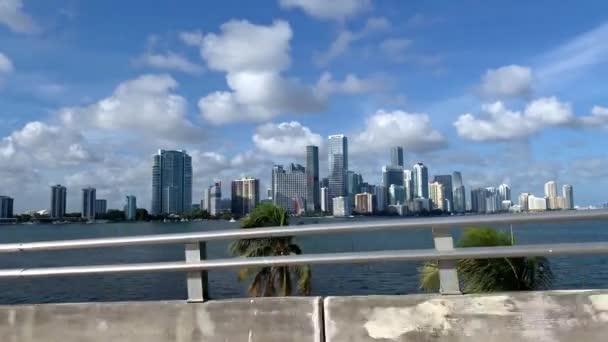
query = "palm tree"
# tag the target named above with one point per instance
(275, 280)
(491, 275)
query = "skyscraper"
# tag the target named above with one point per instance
(365, 203)
(568, 194)
(437, 195)
(392, 175)
(338, 165)
(6, 207)
(420, 174)
(325, 199)
(101, 206)
(290, 188)
(89, 198)
(448, 193)
(397, 156)
(214, 197)
(58, 201)
(551, 189)
(523, 201)
(396, 194)
(381, 198)
(245, 195)
(131, 208)
(504, 192)
(408, 184)
(459, 193)
(341, 206)
(478, 200)
(313, 196)
(171, 183)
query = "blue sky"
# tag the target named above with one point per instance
(508, 92)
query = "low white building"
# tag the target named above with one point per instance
(537, 203)
(341, 206)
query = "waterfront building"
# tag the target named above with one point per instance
(101, 206)
(420, 174)
(131, 208)
(506, 205)
(325, 207)
(504, 192)
(313, 196)
(560, 202)
(396, 194)
(568, 194)
(422, 204)
(381, 197)
(6, 207)
(459, 194)
(245, 195)
(88, 203)
(448, 193)
(493, 201)
(478, 200)
(290, 188)
(58, 201)
(408, 184)
(341, 206)
(537, 203)
(523, 201)
(365, 203)
(437, 196)
(551, 189)
(392, 175)
(398, 209)
(171, 182)
(338, 165)
(213, 197)
(397, 156)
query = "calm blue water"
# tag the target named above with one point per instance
(387, 278)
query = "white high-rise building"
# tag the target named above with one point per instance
(325, 199)
(504, 192)
(420, 174)
(523, 201)
(537, 203)
(213, 198)
(408, 184)
(338, 165)
(568, 194)
(437, 195)
(551, 189)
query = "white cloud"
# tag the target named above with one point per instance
(6, 66)
(254, 57)
(191, 38)
(351, 84)
(503, 124)
(13, 16)
(598, 117)
(285, 139)
(328, 10)
(169, 61)
(395, 48)
(345, 38)
(146, 105)
(507, 81)
(384, 129)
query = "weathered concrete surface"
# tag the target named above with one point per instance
(267, 320)
(526, 316)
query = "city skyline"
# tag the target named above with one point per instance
(82, 108)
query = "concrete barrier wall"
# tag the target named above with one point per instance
(526, 316)
(271, 319)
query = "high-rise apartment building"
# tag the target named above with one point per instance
(568, 194)
(408, 184)
(58, 201)
(325, 207)
(504, 191)
(338, 165)
(392, 175)
(437, 195)
(171, 182)
(493, 201)
(6, 207)
(551, 189)
(396, 194)
(478, 200)
(313, 194)
(290, 188)
(131, 208)
(537, 203)
(365, 203)
(213, 198)
(245, 195)
(381, 198)
(101, 206)
(353, 183)
(420, 174)
(397, 156)
(89, 198)
(458, 193)
(523, 201)
(448, 194)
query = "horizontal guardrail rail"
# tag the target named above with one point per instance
(196, 265)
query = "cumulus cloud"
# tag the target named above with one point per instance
(191, 38)
(384, 129)
(598, 117)
(13, 16)
(146, 105)
(507, 81)
(6, 66)
(346, 37)
(285, 139)
(500, 123)
(168, 61)
(352, 84)
(328, 10)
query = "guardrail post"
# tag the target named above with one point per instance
(448, 275)
(197, 281)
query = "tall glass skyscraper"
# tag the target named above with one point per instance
(58, 201)
(448, 194)
(420, 174)
(131, 208)
(397, 156)
(313, 196)
(89, 197)
(392, 174)
(171, 183)
(459, 193)
(568, 194)
(338, 165)
(6, 207)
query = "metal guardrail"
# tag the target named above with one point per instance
(196, 265)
